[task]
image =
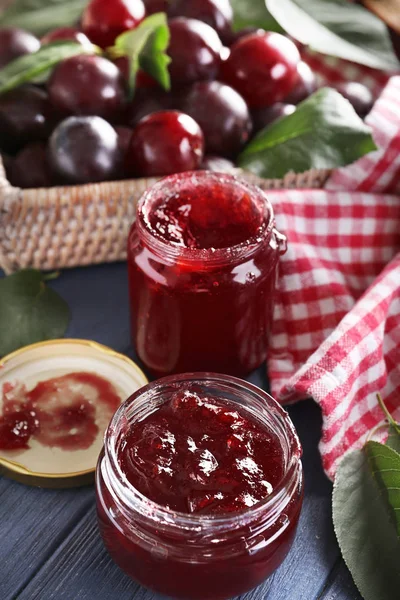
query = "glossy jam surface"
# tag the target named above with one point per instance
(206, 217)
(59, 412)
(202, 263)
(217, 465)
(197, 455)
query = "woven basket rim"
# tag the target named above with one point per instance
(69, 226)
(42, 195)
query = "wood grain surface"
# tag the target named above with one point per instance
(49, 544)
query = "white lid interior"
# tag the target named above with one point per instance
(52, 359)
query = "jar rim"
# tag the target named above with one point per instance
(135, 500)
(208, 255)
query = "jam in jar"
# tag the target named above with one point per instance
(202, 262)
(199, 486)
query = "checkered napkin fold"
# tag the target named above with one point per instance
(336, 330)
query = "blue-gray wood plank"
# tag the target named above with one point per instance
(49, 544)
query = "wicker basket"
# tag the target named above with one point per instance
(54, 228)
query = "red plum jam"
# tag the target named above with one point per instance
(202, 261)
(199, 486)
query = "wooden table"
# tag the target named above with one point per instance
(49, 544)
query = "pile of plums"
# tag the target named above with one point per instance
(80, 127)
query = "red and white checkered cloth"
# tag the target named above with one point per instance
(336, 331)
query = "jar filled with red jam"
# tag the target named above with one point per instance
(199, 486)
(202, 261)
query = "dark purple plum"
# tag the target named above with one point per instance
(83, 150)
(216, 13)
(195, 51)
(16, 42)
(30, 168)
(262, 67)
(222, 115)
(163, 143)
(104, 20)
(25, 116)
(87, 85)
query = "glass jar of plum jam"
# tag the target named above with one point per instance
(199, 486)
(202, 262)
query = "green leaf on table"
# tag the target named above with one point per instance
(384, 464)
(363, 509)
(253, 13)
(323, 133)
(40, 16)
(145, 47)
(37, 66)
(338, 28)
(393, 440)
(30, 311)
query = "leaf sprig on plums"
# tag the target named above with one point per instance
(293, 143)
(366, 514)
(337, 28)
(38, 66)
(145, 47)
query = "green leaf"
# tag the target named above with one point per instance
(153, 59)
(393, 440)
(39, 16)
(37, 67)
(339, 28)
(384, 463)
(364, 527)
(253, 13)
(145, 47)
(30, 311)
(323, 133)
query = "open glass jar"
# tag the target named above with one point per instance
(209, 306)
(197, 556)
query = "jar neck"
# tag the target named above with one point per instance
(208, 258)
(134, 506)
(266, 236)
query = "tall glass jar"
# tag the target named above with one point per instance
(194, 556)
(203, 308)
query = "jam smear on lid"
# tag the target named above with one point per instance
(59, 412)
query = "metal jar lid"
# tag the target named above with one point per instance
(54, 467)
